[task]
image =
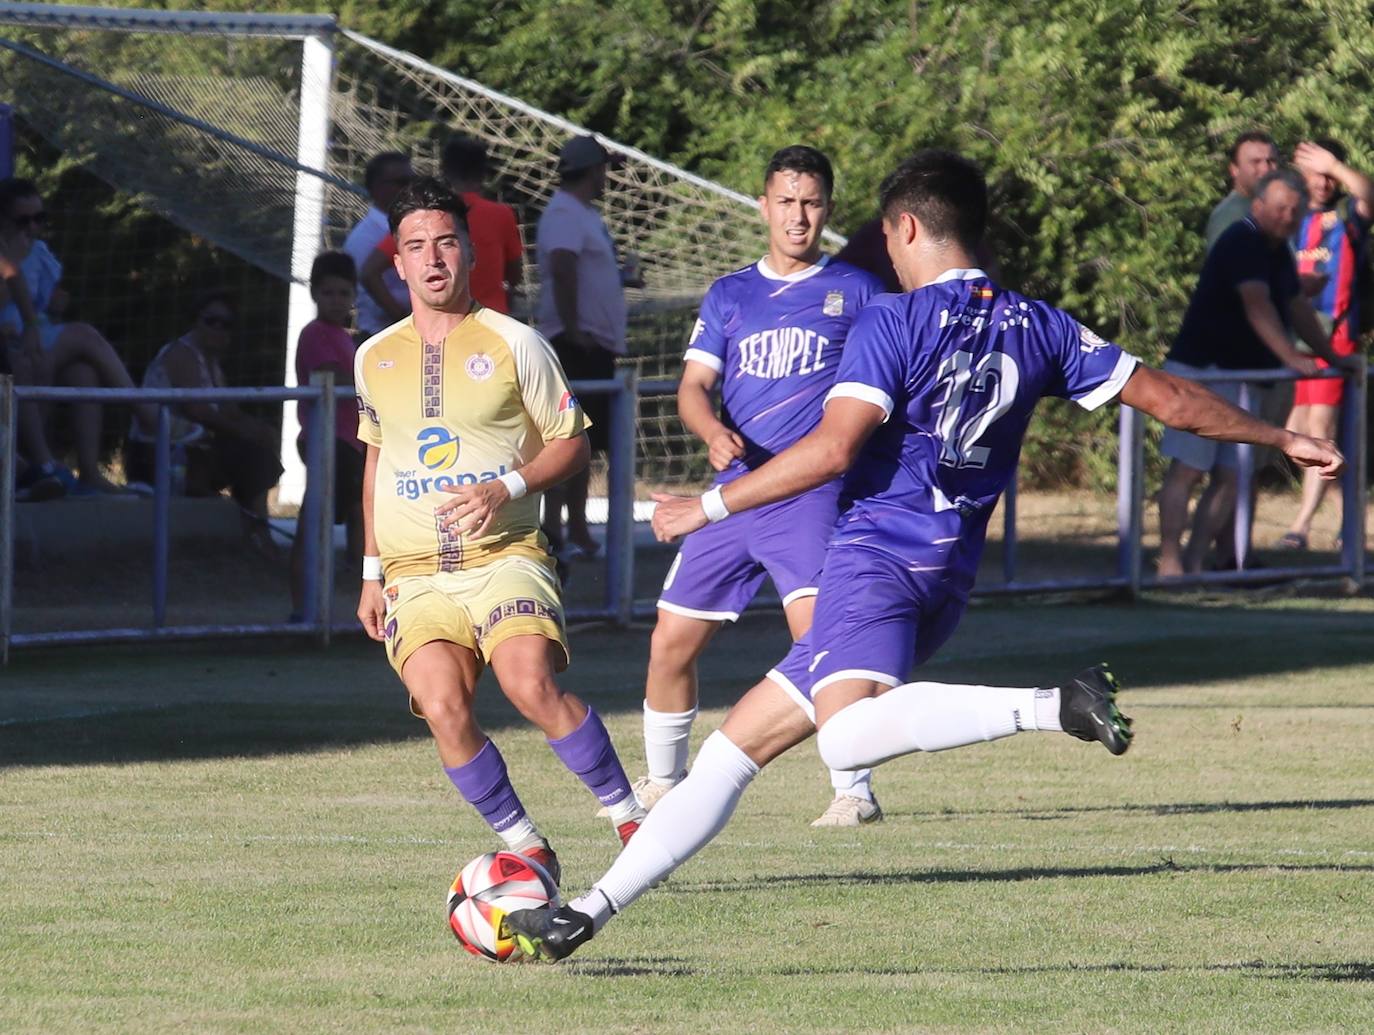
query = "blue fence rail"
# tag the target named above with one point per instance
(316, 521)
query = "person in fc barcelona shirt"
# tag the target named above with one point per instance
(1331, 243)
(467, 419)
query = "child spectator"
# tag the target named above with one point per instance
(326, 345)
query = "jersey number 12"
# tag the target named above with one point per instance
(993, 378)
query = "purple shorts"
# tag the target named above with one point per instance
(720, 567)
(875, 619)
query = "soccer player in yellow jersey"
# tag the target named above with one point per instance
(467, 418)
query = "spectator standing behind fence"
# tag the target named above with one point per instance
(498, 253)
(581, 311)
(1330, 244)
(325, 345)
(1253, 156)
(215, 444)
(385, 175)
(1238, 318)
(71, 354)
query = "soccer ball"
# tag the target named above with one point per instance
(488, 888)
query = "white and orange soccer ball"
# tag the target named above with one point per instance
(488, 888)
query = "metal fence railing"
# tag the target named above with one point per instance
(317, 510)
(619, 603)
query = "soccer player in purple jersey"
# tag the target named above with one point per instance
(925, 420)
(770, 336)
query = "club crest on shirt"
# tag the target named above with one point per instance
(834, 303)
(1090, 342)
(480, 366)
(1328, 219)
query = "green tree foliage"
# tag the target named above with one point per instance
(1102, 126)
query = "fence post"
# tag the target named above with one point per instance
(324, 472)
(8, 423)
(620, 498)
(1245, 478)
(1130, 497)
(1354, 444)
(162, 508)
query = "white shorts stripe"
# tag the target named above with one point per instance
(790, 689)
(797, 594)
(853, 673)
(691, 612)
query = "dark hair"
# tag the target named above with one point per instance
(377, 164)
(1287, 175)
(14, 188)
(942, 189)
(428, 194)
(333, 264)
(464, 159)
(799, 158)
(1334, 146)
(206, 299)
(1251, 136)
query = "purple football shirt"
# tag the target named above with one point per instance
(958, 367)
(776, 343)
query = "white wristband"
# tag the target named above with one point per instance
(713, 503)
(372, 569)
(514, 484)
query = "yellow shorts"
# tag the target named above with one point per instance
(477, 609)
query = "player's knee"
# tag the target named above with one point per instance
(670, 651)
(536, 696)
(446, 714)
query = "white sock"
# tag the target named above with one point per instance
(924, 717)
(682, 822)
(596, 905)
(626, 809)
(666, 737)
(857, 783)
(520, 835)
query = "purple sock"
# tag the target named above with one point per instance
(588, 752)
(486, 786)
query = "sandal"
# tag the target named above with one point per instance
(1293, 541)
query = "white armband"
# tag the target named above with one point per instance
(514, 483)
(713, 503)
(372, 569)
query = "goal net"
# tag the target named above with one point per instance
(250, 133)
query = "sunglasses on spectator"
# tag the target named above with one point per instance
(32, 219)
(214, 320)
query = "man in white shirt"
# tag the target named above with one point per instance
(581, 309)
(385, 175)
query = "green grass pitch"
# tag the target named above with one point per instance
(249, 838)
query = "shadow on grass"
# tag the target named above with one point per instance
(80, 706)
(1341, 972)
(633, 966)
(1187, 808)
(1014, 875)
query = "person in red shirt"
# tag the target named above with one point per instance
(325, 344)
(498, 252)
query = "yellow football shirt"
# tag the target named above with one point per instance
(459, 411)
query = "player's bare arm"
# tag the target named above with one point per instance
(698, 412)
(1264, 318)
(473, 507)
(371, 606)
(563, 268)
(824, 454)
(1190, 406)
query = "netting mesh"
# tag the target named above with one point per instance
(200, 126)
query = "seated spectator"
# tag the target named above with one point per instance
(73, 354)
(38, 476)
(325, 345)
(224, 448)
